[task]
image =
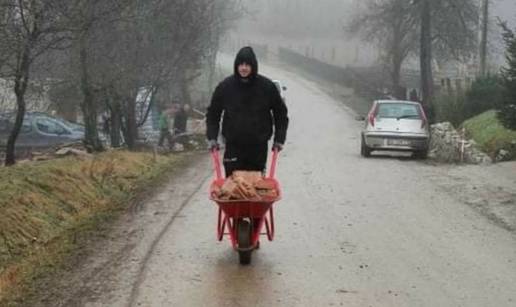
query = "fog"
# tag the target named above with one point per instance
(314, 27)
(309, 27)
(505, 10)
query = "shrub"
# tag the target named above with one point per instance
(507, 112)
(450, 108)
(486, 93)
(491, 135)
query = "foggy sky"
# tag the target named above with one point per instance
(506, 10)
(319, 24)
(325, 17)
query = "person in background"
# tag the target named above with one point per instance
(413, 95)
(164, 127)
(180, 123)
(181, 118)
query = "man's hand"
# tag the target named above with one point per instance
(213, 145)
(277, 146)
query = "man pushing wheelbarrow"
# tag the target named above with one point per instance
(252, 111)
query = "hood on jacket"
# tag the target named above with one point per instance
(246, 55)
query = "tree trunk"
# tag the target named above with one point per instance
(88, 106)
(427, 80)
(483, 37)
(397, 57)
(131, 134)
(185, 90)
(116, 124)
(20, 87)
(396, 79)
(397, 61)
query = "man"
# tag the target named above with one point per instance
(180, 123)
(164, 129)
(181, 119)
(251, 109)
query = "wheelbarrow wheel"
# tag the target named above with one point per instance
(244, 241)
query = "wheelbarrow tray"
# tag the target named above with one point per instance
(252, 208)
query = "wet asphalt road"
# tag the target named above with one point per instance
(349, 232)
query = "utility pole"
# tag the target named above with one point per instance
(427, 79)
(483, 37)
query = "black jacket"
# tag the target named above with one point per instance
(180, 121)
(250, 108)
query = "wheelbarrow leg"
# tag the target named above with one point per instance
(257, 224)
(269, 225)
(221, 224)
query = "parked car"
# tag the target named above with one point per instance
(39, 130)
(394, 125)
(281, 88)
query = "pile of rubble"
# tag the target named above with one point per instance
(449, 146)
(71, 149)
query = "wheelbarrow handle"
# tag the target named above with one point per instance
(274, 162)
(216, 163)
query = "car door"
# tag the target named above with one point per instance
(50, 132)
(6, 126)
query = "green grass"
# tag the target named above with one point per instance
(44, 204)
(489, 133)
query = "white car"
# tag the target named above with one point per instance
(395, 125)
(281, 89)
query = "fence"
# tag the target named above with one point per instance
(368, 82)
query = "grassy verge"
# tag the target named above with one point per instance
(489, 133)
(45, 205)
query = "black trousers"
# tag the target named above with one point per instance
(246, 157)
(165, 134)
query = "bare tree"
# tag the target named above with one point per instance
(164, 50)
(121, 48)
(425, 55)
(88, 21)
(444, 28)
(447, 28)
(390, 26)
(483, 37)
(28, 30)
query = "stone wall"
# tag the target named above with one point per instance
(446, 143)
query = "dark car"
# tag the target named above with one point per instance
(38, 131)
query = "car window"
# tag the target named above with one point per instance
(26, 126)
(49, 126)
(6, 125)
(398, 110)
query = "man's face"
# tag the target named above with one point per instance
(244, 70)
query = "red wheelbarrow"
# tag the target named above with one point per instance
(244, 220)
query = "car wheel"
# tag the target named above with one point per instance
(364, 150)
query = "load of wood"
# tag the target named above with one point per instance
(247, 185)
